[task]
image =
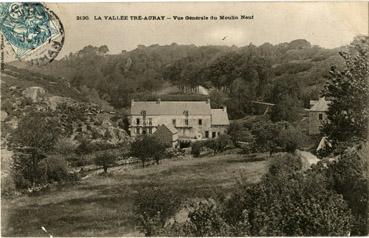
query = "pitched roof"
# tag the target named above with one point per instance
(166, 127)
(321, 105)
(219, 117)
(170, 107)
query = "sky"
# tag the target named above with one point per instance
(327, 24)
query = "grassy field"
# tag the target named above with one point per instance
(102, 206)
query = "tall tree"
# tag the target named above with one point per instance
(349, 93)
(285, 95)
(35, 136)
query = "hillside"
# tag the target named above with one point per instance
(153, 69)
(25, 95)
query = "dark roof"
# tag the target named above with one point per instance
(170, 128)
(171, 107)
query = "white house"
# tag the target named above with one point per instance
(191, 120)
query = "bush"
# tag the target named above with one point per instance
(147, 147)
(278, 136)
(349, 177)
(219, 144)
(287, 202)
(204, 219)
(152, 208)
(7, 186)
(196, 148)
(54, 169)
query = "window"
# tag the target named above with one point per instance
(138, 121)
(150, 130)
(320, 116)
(213, 134)
(137, 130)
(144, 131)
(200, 122)
(206, 134)
(186, 122)
(174, 122)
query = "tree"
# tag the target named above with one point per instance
(218, 144)
(105, 159)
(238, 133)
(241, 94)
(286, 202)
(35, 136)
(349, 177)
(152, 207)
(217, 99)
(146, 147)
(285, 95)
(348, 91)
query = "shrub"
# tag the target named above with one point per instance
(278, 136)
(196, 148)
(219, 144)
(287, 202)
(349, 177)
(65, 146)
(152, 208)
(147, 147)
(7, 186)
(54, 169)
(205, 219)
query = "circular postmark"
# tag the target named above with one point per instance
(34, 32)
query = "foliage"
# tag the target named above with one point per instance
(105, 159)
(35, 136)
(196, 148)
(38, 130)
(217, 99)
(205, 219)
(239, 73)
(146, 147)
(285, 95)
(218, 144)
(280, 136)
(287, 202)
(152, 208)
(349, 177)
(65, 146)
(349, 94)
(54, 169)
(238, 132)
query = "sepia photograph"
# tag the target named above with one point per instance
(184, 119)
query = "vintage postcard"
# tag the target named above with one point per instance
(184, 119)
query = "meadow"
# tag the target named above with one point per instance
(103, 205)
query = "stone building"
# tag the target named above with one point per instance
(317, 115)
(189, 120)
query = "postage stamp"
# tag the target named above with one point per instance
(33, 31)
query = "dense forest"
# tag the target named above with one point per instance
(233, 75)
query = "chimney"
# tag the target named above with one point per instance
(225, 108)
(132, 102)
(158, 101)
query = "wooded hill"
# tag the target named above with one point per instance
(234, 75)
